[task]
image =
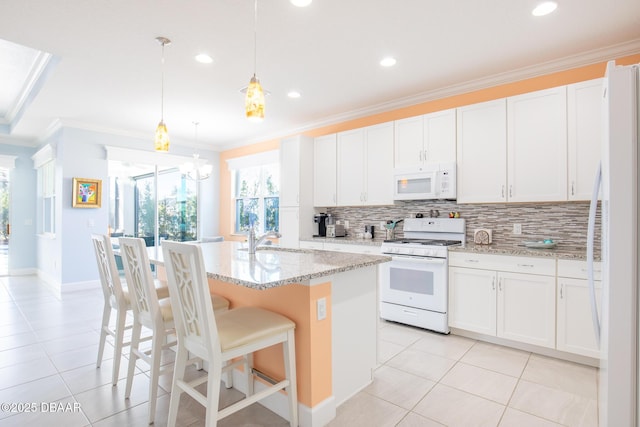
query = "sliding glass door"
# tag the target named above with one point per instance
(152, 203)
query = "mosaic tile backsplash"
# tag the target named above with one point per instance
(565, 223)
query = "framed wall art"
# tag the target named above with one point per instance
(87, 193)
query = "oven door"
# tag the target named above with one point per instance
(418, 282)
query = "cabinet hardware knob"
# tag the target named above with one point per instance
(561, 290)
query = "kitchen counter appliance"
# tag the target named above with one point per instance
(414, 285)
(320, 225)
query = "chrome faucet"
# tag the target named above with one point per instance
(255, 241)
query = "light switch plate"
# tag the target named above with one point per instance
(321, 306)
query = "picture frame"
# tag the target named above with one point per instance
(87, 193)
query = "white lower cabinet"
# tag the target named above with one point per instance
(472, 300)
(500, 296)
(575, 325)
(526, 308)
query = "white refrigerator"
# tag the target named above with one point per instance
(618, 323)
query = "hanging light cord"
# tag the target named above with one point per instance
(162, 85)
(255, 37)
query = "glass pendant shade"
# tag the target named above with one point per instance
(162, 138)
(254, 101)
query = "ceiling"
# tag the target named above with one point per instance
(104, 72)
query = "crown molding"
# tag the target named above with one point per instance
(574, 61)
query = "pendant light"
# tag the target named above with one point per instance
(254, 100)
(162, 136)
(199, 169)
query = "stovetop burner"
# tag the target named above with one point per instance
(427, 242)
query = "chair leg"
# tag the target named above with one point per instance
(179, 369)
(288, 348)
(135, 342)
(106, 316)
(228, 376)
(213, 394)
(118, 339)
(157, 341)
(248, 367)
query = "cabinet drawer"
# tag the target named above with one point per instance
(578, 269)
(514, 264)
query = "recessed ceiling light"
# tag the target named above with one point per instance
(544, 8)
(294, 94)
(301, 3)
(388, 62)
(203, 58)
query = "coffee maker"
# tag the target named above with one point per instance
(320, 225)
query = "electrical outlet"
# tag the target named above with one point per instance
(517, 228)
(346, 223)
(382, 224)
(321, 306)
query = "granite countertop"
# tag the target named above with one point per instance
(272, 266)
(347, 240)
(559, 252)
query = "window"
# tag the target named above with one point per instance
(257, 201)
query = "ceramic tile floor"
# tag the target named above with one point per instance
(48, 349)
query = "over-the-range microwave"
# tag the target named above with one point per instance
(433, 181)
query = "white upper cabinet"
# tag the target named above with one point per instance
(482, 152)
(365, 166)
(379, 165)
(351, 164)
(296, 198)
(585, 126)
(427, 138)
(324, 171)
(537, 146)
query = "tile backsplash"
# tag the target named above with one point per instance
(564, 222)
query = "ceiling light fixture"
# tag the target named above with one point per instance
(254, 100)
(294, 94)
(198, 169)
(162, 136)
(388, 62)
(544, 8)
(203, 58)
(301, 3)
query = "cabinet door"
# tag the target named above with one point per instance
(351, 164)
(527, 308)
(537, 146)
(585, 123)
(379, 165)
(575, 325)
(482, 152)
(408, 145)
(290, 172)
(289, 227)
(472, 300)
(324, 171)
(440, 136)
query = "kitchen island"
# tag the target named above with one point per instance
(332, 298)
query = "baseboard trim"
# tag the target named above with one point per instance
(22, 272)
(318, 416)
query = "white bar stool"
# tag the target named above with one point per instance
(218, 339)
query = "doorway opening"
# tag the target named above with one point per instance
(5, 226)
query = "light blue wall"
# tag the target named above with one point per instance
(81, 153)
(22, 247)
